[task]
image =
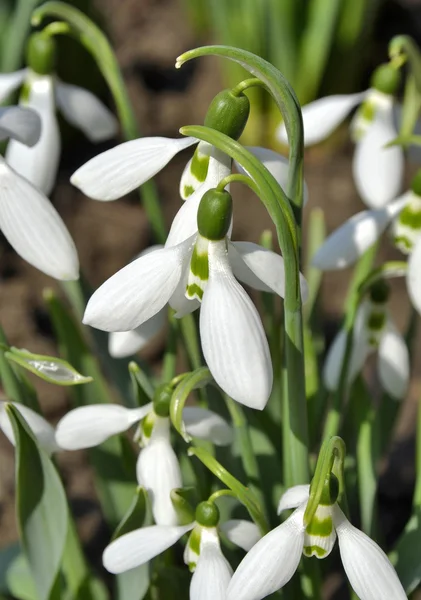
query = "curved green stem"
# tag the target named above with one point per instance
(90, 36)
(190, 382)
(245, 85)
(402, 48)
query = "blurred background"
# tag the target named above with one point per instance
(323, 47)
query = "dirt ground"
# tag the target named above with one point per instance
(148, 35)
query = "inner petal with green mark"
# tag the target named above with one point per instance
(192, 549)
(199, 269)
(376, 321)
(196, 171)
(407, 226)
(320, 535)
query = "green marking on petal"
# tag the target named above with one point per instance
(403, 243)
(314, 551)
(188, 190)
(199, 264)
(199, 269)
(367, 111)
(199, 165)
(411, 217)
(194, 291)
(320, 527)
(376, 321)
(147, 424)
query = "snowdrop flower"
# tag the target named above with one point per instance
(200, 271)
(374, 331)
(377, 170)
(43, 92)
(272, 562)
(40, 427)
(28, 220)
(203, 554)
(157, 468)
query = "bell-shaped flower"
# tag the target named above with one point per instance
(157, 469)
(28, 220)
(377, 169)
(203, 555)
(273, 560)
(44, 93)
(373, 331)
(40, 427)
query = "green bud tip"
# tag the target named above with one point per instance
(228, 113)
(41, 53)
(386, 79)
(379, 292)
(207, 514)
(416, 183)
(214, 214)
(162, 400)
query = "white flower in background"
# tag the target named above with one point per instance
(377, 170)
(271, 563)
(373, 331)
(40, 427)
(202, 554)
(28, 220)
(157, 468)
(44, 93)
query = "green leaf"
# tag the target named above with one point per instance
(406, 556)
(41, 509)
(135, 515)
(18, 579)
(50, 368)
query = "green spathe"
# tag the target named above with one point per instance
(214, 214)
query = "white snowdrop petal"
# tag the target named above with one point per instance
(178, 301)
(84, 110)
(40, 427)
(138, 547)
(368, 569)
(233, 339)
(158, 470)
(271, 562)
(120, 170)
(9, 82)
(347, 243)
(126, 343)
(34, 228)
(293, 497)
(260, 268)
(242, 533)
(276, 164)
(39, 163)
(413, 277)
(89, 426)
(393, 362)
(212, 574)
(207, 425)
(378, 171)
(322, 117)
(21, 124)
(138, 291)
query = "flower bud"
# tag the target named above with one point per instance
(41, 53)
(386, 79)
(207, 514)
(214, 214)
(228, 113)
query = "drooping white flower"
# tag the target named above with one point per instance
(374, 331)
(44, 93)
(158, 469)
(40, 427)
(377, 169)
(28, 220)
(271, 563)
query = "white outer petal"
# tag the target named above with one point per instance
(21, 124)
(34, 228)
(242, 533)
(84, 110)
(347, 243)
(233, 339)
(120, 170)
(207, 425)
(369, 571)
(158, 470)
(88, 426)
(322, 117)
(293, 497)
(138, 291)
(393, 362)
(39, 426)
(271, 562)
(413, 277)
(9, 82)
(213, 572)
(378, 171)
(138, 547)
(276, 164)
(39, 163)
(260, 268)
(126, 343)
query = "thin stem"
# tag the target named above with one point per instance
(16, 34)
(170, 356)
(216, 495)
(235, 177)
(244, 85)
